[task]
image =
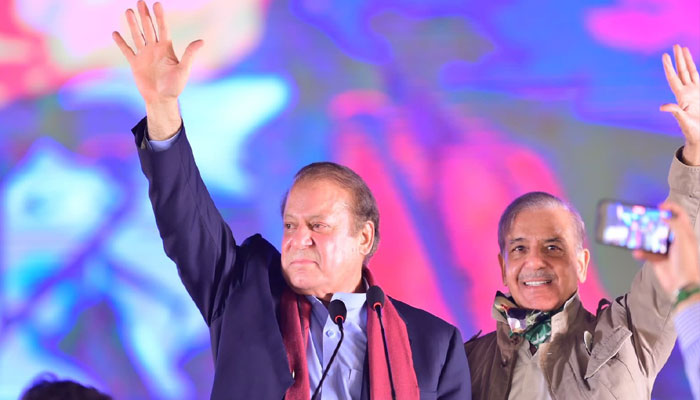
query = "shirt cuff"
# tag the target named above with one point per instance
(162, 145)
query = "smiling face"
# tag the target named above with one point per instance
(322, 247)
(542, 261)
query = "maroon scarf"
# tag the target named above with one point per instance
(295, 315)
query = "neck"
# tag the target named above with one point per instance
(357, 288)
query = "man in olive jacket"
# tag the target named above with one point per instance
(546, 345)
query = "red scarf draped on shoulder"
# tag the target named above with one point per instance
(296, 314)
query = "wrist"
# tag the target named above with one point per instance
(694, 299)
(163, 119)
(685, 294)
(691, 154)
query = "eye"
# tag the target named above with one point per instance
(288, 226)
(318, 226)
(518, 249)
(553, 248)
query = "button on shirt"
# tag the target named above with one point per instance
(344, 379)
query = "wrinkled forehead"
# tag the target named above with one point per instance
(543, 223)
(316, 197)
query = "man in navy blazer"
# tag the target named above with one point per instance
(331, 229)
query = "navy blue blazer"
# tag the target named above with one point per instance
(237, 289)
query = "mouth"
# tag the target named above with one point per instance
(302, 262)
(537, 283)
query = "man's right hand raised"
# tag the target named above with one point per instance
(684, 81)
(160, 77)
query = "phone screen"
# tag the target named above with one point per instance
(633, 226)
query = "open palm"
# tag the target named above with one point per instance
(160, 77)
(685, 84)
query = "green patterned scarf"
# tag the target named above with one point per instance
(533, 325)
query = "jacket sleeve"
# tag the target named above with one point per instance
(194, 234)
(455, 381)
(649, 308)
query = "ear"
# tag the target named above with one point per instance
(582, 259)
(502, 263)
(366, 236)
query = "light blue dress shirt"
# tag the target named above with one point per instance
(687, 324)
(344, 380)
(162, 145)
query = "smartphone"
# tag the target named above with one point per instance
(633, 226)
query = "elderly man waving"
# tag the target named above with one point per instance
(271, 331)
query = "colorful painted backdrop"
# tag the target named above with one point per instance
(448, 108)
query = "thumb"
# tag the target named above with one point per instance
(685, 121)
(672, 108)
(189, 54)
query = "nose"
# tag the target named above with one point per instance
(534, 260)
(301, 238)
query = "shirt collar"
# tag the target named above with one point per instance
(354, 302)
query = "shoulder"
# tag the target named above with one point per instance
(438, 357)
(416, 315)
(480, 344)
(421, 323)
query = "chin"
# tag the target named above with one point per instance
(546, 307)
(301, 291)
(541, 304)
(301, 284)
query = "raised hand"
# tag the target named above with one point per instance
(160, 77)
(685, 84)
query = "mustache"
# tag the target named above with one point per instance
(539, 275)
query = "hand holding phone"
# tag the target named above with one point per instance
(633, 226)
(680, 267)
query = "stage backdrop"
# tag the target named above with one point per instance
(448, 108)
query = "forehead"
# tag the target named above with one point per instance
(542, 223)
(317, 197)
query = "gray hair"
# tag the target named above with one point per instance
(535, 200)
(364, 206)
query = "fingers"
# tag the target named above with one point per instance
(672, 206)
(136, 34)
(685, 73)
(189, 54)
(675, 209)
(163, 33)
(679, 221)
(681, 67)
(125, 49)
(146, 22)
(692, 69)
(673, 81)
(652, 257)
